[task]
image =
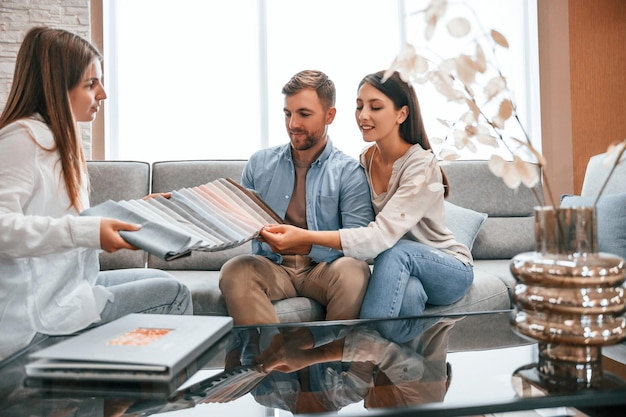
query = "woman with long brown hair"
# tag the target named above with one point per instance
(50, 281)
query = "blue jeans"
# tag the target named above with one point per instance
(143, 290)
(139, 290)
(404, 279)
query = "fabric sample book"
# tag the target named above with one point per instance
(210, 217)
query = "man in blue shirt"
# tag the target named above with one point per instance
(311, 184)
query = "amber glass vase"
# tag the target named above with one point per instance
(569, 298)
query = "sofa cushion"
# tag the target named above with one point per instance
(474, 186)
(298, 310)
(174, 175)
(611, 220)
(505, 237)
(509, 227)
(500, 268)
(487, 293)
(464, 223)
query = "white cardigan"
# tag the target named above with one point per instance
(48, 255)
(408, 210)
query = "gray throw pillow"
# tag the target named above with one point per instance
(611, 220)
(464, 223)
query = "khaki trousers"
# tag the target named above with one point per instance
(250, 283)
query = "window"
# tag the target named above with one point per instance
(202, 80)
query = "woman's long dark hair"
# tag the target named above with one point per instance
(49, 64)
(402, 94)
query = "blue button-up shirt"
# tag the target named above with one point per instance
(337, 193)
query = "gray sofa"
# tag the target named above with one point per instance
(507, 230)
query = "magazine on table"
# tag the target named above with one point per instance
(138, 348)
(214, 216)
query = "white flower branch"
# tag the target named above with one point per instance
(456, 79)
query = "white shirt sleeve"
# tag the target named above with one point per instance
(403, 209)
(35, 214)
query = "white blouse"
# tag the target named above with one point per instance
(48, 255)
(409, 209)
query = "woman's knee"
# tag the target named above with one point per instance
(123, 276)
(158, 273)
(182, 302)
(402, 251)
(168, 286)
(161, 295)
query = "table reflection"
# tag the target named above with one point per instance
(301, 368)
(325, 368)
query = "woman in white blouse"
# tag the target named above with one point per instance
(417, 259)
(50, 281)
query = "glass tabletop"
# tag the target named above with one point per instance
(334, 367)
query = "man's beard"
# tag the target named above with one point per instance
(309, 142)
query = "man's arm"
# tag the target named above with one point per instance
(355, 201)
(355, 210)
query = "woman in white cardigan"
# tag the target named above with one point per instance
(417, 259)
(50, 279)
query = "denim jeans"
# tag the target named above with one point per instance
(405, 278)
(139, 290)
(143, 290)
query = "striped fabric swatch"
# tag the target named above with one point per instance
(210, 217)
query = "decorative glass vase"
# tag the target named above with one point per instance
(569, 299)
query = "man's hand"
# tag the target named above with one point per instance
(110, 239)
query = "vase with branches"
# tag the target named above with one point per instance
(569, 296)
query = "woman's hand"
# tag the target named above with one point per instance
(165, 195)
(286, 239)
(110, 239)
(291, 240)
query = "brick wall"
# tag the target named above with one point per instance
(17, 16)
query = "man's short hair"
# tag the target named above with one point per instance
(316, 80)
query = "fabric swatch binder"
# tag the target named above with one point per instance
(211, 217)
(136, 347)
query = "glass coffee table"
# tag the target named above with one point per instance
(334, 368)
